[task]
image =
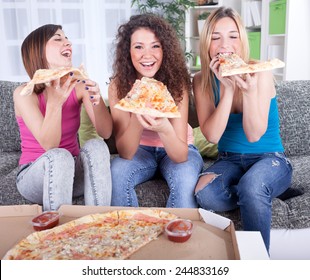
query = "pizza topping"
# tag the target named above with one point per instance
(149, 97)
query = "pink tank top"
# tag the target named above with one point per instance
(70, 124)
(151, 138)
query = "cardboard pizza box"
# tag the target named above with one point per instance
(16, 224)
(213, 236)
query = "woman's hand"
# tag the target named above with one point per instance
(58, 93)
(228, 82)
(154, 124)
(247, 83)
(93, 91)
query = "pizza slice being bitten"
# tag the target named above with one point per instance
(149, 97)
(42, 76)
(232, 64)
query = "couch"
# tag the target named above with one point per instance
(290, 211)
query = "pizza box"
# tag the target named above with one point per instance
(213, 236)
(16, 224)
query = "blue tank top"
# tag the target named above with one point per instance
(234, 139)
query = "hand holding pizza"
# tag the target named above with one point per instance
(226, 81)
(247, 82)
(154, 123)
(58, 92)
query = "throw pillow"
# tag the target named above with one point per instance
(205, 148)
(86, 131)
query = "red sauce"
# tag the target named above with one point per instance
(179, 230)
(45, 220)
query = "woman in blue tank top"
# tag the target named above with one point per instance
(239, 113)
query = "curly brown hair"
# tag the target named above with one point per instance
(173, 71)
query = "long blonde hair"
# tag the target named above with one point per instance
(207, 76)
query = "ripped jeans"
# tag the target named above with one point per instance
(56, 176)
(248, 181)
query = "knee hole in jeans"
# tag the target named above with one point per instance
(205, 180)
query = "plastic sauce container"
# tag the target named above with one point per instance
(46, 220)
(179, 230)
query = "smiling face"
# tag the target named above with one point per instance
(59, 50)
(225, 38)
(146, 52)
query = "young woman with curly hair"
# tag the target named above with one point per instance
(147, 46)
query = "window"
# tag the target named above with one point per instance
(91, 26)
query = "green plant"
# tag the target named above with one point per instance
(203, 16)
(173, 11)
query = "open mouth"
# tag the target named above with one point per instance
(148, 64)
(224, 54)
(66, 53)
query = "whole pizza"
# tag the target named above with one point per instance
(112, 235)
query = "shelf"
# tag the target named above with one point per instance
(195, 68)
(277, 35)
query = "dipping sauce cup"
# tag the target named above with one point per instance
(179, 230)
(46, 220)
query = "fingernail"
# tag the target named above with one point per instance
(86, 88)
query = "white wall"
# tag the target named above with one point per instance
(236, 4)
(298, 43)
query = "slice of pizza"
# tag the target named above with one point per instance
(149, 97)
(42, 76)
(232, 64)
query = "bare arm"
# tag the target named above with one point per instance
(46, 129)
(127, 129)
(212, 120)
(95, 107)
(257, 91)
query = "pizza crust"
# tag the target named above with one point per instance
(42, 76)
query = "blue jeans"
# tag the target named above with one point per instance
(180, 177)
(56, 176)
(248, 181)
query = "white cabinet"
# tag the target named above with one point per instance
(287, 45)
(192, 35)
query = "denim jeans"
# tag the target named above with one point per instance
(56, 176)
(180, 177)
(248, 181)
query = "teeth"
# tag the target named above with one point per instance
(147, 63)
(225, 53)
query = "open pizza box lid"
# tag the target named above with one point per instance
(213, 236)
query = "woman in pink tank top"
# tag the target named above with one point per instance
(148, 47)
(53, 168)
